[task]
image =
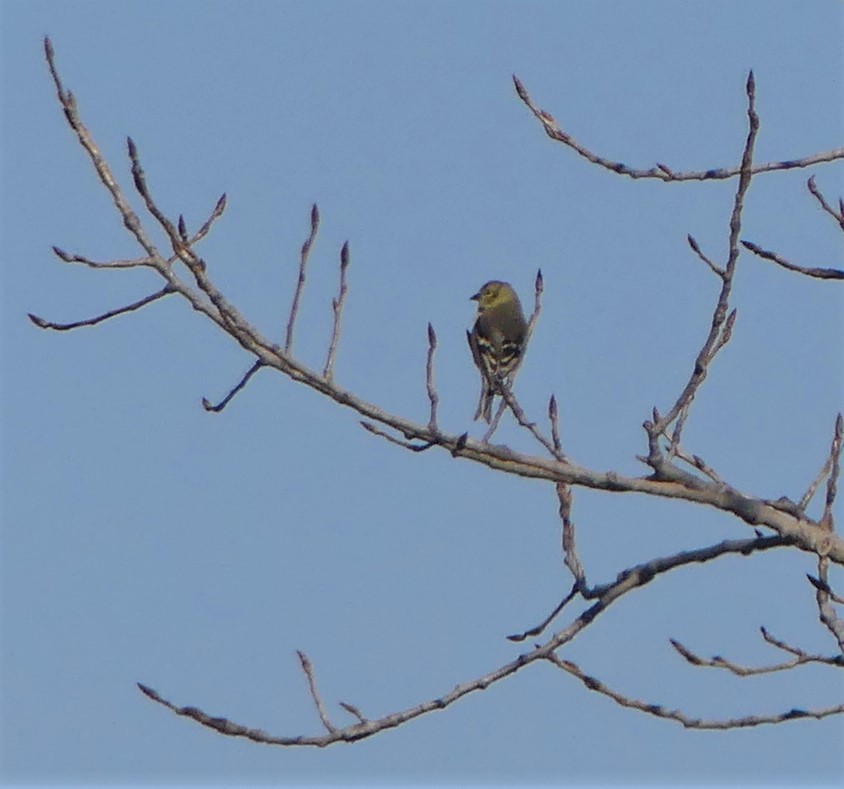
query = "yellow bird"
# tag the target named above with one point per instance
(497, 340)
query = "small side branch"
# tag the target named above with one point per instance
(135, 305)
(554, 419)
(572, 560)
(838, 215)
(433, 397)
(300, 283)
(139, 178)
(643, 574)
(717, 270)
(203, 231)
(800, 659)
(508, 398)
(377, 431)
(208, 406)
(808, 271)
(661, 171)
(834, 472)
(658, 711)
(721, 326)
(309, 673)
(823, 597)
(337, 305)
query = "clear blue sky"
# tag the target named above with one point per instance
(146, 540)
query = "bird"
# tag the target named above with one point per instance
(497, 340)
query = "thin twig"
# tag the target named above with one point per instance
(838, 216)
(136, 305)
(642, 574)
(203, 231)
(825, 587)
(749, 671)
(68, 102)
(496, 419)
(392, 439)
(433, 397)
(572, 560)
(139, 178)
(717, 270)
(695, 461)
(300, 282)
(826, 613)
(817, 273)
(208, 406)
(69, 257)
(661, 171)
(509, 398)
(353, 710)
(813, 486)
(554, 418)
(658, 711)
(721, 325)
(309, 673)
(834, 472)
(537, 629)
(337, 306)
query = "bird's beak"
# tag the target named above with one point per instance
(476, 297)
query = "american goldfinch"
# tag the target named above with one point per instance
(497, 340)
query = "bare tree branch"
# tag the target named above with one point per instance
(135, 305)
(716, 269)
(300, 282)
(838, 216)
(817, 273)
(800, 659)
(433, 398)
(834, 472)
(646, 572)
(239, 386)
(721, 326)
(309, 673)
(825, 587)
(203, 231)
(554, 419)
(658, 711)
(337, 306)
(661, 171)
(826, 613)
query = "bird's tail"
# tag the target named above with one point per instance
(485, 403)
